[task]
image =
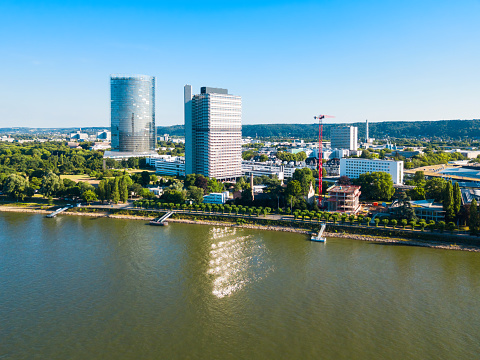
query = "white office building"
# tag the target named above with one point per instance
(344, 137)
(104, 135)
(79, 136)
(213, 133)
(260, 169)
(168, 165)
(354, 167)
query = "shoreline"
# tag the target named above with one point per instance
(371, 238)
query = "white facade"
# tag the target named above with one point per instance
(79, 135)
(105, 135)
(344, 137)
(354, 167)
(213, 133)
(259, 169)
(168, 165)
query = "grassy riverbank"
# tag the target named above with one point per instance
(375, 234)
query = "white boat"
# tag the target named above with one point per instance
(319, 237)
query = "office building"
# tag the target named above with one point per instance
(216, 198)
(133, 113)
(79, 136)
(353, 167)
(344, 137)
(213, 133)
(168, 165)
(104, 135)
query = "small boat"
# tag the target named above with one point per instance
(319, 237)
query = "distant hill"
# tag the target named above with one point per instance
(452, 129)
(446, 129)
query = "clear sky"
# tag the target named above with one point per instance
(289, 60)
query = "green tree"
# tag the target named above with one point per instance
(413, 223)
(50, 184)
(441, 225)
(101, 192)
(385, 222)
(422, 224)
(196, 194)
(89, 196)
(15, 186)
(376, 185)
(394, 223)
(305, 177)
(448, 202)
(404, 223)
(145, 178)
(377, 220)
(147, 194)
(434, 188)
(115, 191)
(457, 199)
(35, 183)
(419, 178)
(263, 158)
(214, 186)
(473, 218)
(451, 226)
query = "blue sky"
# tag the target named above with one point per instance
(289, 60)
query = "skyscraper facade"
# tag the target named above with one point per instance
(133, 113)
(213, 133)
(344, 137)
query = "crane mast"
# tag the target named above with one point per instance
(320, 155)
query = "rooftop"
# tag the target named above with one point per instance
(344, 188)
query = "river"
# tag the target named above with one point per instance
(93, 288)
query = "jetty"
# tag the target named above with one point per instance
(58, 211)
(319, 237)
(161, 220)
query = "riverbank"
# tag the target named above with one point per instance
(437, 244)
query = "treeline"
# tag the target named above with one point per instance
(445, 129)
(37, 159)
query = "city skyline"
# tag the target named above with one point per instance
(375, 60)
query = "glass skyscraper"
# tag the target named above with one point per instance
(133, 113)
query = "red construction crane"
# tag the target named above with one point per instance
(320, 154)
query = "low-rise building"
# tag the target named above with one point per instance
(104, 135)
(168, 165)
(428, 210)
(344, 198)
(79, 136)
(354, 167)
(216, 198)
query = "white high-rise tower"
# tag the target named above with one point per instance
(366, 131)
(213, 133)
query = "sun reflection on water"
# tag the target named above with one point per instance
(236, 261)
